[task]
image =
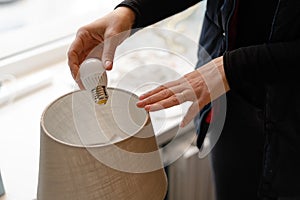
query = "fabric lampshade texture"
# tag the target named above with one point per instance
(93, 152)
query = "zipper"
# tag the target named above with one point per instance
(274, 19)
(227, 24)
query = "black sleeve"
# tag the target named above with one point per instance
(151, 11)
(260, 65)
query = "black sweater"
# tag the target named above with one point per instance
(262, 67)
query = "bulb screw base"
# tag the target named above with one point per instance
(100, 95)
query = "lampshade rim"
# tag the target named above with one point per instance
(42, 123)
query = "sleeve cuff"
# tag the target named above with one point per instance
(232, 73)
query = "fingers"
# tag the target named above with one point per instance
(164, 99)
(191, 113)
(171, 101)
(73, 63)
(200, 86)
(161, 88)
(167, 95)
(152, 92)
(73, 57)
(79, 49)
(163, 92)
(165, 103)
(108, 53)
(188, 88)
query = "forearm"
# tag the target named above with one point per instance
(262, 64)
(151, 11)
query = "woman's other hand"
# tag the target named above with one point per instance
(201, 86)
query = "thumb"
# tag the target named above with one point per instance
(190, 115)
(111, 42)
(108, 54)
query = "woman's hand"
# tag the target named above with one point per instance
(200, 87)
(96, 39)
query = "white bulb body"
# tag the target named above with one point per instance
(91, 72)
(94, 78)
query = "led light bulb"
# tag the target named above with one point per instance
(94, 79)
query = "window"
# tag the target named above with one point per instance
(28, 25)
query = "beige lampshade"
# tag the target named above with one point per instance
(95, 152)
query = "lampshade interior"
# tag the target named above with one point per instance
(75, 119)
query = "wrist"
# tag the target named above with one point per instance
(214, 77)
(126, 14)
(219, 63)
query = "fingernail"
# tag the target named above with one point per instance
(139, 103)
(141, 97)
(108, 64)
